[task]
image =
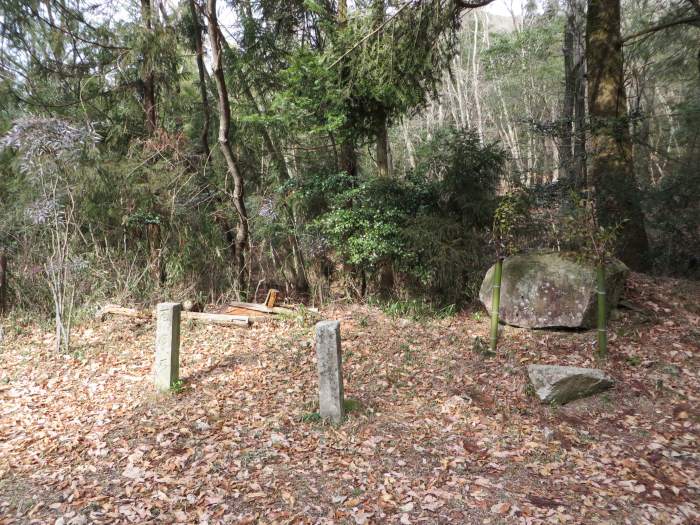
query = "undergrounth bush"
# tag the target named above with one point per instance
(427, 227)
(673, 224)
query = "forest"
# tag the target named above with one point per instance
(331, 150)
(473, 188)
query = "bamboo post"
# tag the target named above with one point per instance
(496, 302)
(602, 322)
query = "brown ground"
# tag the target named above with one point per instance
(438, 434)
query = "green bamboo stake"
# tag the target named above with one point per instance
(496, 302)
(602, 324)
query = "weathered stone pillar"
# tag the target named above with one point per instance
(167, 365)
(330, 371)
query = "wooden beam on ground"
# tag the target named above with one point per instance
(220, 319)
(120, 310)
(255, 307)
(251, 306)
(202, 317)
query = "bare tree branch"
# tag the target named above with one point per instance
(472, 5)
(690, 20)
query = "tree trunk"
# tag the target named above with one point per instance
(475, 79)
(155, 249)
(148, 77)
(3, 283)
(579, 167)
(612, 172)
(241, 240)
(301, 282)
(199, 51)
(384, 164)
(219, 218)
(574, 114)
(342, 13)
(347, 159)
(641, 129)
(567, 113)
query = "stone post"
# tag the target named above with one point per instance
(330, 371)
(167, 365)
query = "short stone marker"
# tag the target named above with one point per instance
(561, 384)
(167, 364)
(330, 371)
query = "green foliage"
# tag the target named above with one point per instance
(351, 405)
(417, 309)
(365, 225)
(427, 226)
(583, 233)
(464, 172)
(178, 386)
(515, 54)
(511, 214)
(395, 70)
(351, 89)
(310, 417)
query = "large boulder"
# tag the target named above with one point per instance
(561, 384)
(551, 290)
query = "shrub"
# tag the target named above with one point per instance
(428, 226)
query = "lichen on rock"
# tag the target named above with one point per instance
(546, 290)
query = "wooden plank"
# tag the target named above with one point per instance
(202, 317)
(252, 306)
(220, 319)
(120, 310)
(271, 298)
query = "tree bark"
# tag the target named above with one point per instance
(199, 51)
(219, 218)
(148, 77)
(342, 13)
(475, 80)
(384, 163)
(155, 249)
(612, 172)
(3, 283)
(347, 159)
(224, 106)
(567, 114)
(573, 146)
(579, 168)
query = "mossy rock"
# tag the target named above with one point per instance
(548, 290)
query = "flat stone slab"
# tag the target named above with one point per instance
(561, 384)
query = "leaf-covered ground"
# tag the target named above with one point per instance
(438, 433)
